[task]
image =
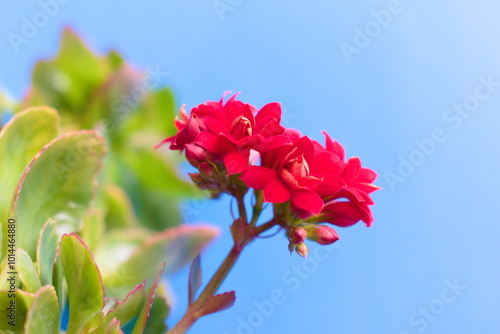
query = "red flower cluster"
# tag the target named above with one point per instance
(316, 180)
(226, 132)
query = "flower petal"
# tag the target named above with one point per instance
(276, 192)
(258, 177)
(212, 143)
(345, 214)
(352, 169)
(308, 200)
(334, 146)
(236, 161)
(271, 143)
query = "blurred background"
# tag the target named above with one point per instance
(412, 87)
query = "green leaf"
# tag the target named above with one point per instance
(48, 242)
(21, 304)
(59, 184)
(142, 320)
(124, 311)
(93, 228)
(156, 172)
(43, 314)
(156, 112)
(156, 209)
(68, 84)
(114, 327)
(218, 303)
(20, 140)
(85, 289)
(157, 315)
(174, 246)
(155, 188)
(57, 280)
(119, 210)
(194, 279)
(27, 271)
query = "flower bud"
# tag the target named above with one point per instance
(207, 170)
(195, 154)
(323, 235)
(302, 249)
(297, 235)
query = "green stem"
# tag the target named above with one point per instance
(192, 314)
(257, 209)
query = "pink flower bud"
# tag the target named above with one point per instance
(297, 235)
(323, 235)
(302, 249)
(207, 170)
(195, 154)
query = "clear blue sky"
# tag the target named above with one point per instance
(412, 87)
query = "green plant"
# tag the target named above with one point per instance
(89, 210)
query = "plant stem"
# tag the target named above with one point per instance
(192, 313)
(191, 316)
(257, 209)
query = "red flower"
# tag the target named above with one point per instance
(309, 175)
(303, 172)
(226, 132)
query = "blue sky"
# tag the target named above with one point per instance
(412, 87)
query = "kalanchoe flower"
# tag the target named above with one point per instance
(309, 175)
(226, 133)
(308, 183)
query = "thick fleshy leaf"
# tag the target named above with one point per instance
(157, 315)
(119, 210)
(114, 327)
(93, 228)
(154, 171)
(218, 303)
(123, 311)
(14, 315)
(258, 177)
(142, 320)
(276, 192)
(20, 140)
(66, 83)
(174, 246)
(194, 279)
(307, 200)
(27, 272)
(46, 251)
(85, 289)
(153, 116)
(58, 281)
(59, 183)
(43, 314)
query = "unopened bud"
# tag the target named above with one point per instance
(302, 249)
(297, 235)
(323, 235)
(207, 170)
(195, 154)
